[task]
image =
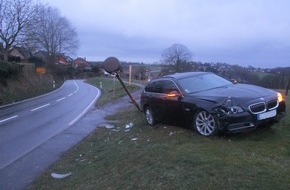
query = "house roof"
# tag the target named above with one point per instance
(61, 60)
(20, 52)
(81, 62)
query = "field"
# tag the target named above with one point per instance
(173, 157)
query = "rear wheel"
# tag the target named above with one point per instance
(150, 118)
(205, 124)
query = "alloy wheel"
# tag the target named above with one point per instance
(149, 116)
(205, 123)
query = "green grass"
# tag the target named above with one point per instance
(171, 157)
(111, 89)
(24, 87)
(263, 74)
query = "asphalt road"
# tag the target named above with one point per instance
(35, 132)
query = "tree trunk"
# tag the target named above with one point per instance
(5, 54)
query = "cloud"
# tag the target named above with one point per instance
(256, 32)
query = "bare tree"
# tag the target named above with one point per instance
(177, 57)
(52, 33)
(15, 16)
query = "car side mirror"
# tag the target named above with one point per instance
(173, 94)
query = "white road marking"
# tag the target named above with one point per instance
(1, 121)
(60, 99)
(85, 111)
(75, 90)
(40, 107)
(77, 86)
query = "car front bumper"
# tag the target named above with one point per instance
(244, 121)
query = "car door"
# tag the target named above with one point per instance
(154, 97)
(171, 101)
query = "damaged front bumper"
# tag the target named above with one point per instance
(234, 123)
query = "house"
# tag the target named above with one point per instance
(82, 64)
(19, 54)
(61, 60)
(41, 55)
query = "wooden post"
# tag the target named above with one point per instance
(288, 85)
(130, 74)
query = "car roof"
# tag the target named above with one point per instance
(183, 75)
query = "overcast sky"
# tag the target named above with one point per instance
(244, 32)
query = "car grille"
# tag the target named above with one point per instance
(272, 104)
(263, 106)
(257, 108)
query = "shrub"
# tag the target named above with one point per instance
(9, 71)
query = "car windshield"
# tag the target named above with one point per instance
(202, 82)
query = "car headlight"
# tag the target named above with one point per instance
(228, 108)
(280, 97)
(236, 109)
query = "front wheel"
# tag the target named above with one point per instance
(150, 118)
(205, 124)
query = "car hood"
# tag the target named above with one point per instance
(239, 93)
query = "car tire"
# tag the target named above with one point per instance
(205, 124)
(149, 115)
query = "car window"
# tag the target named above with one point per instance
(161, 86)
(154, 86)
(202, 82)
(169, 86)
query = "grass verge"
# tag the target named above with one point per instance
(111, 89)
(171, 157)
(24, 87)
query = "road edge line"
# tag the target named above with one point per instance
(86, 110)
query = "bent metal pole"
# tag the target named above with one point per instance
(122, 83)
(112, 66)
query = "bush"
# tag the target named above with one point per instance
(9, 71)
(25, 87)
